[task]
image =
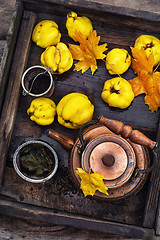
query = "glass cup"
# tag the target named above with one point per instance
(37, 81)
(30, 176)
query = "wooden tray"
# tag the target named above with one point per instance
(58, 201)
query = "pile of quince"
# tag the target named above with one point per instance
(75, 109)
(56, 55)
(117, 92)
(46, 34)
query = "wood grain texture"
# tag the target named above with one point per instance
(145, 10)
(22, 229)
(6, 12)
(34, 212)
(154, 189)
(111, 32)
(13, 93)
(8, 48)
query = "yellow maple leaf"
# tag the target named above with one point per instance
(91, 182)
(147, 81)
(87, 52)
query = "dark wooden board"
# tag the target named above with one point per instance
(13, 90)
(59, 194)
(32, 229)
(153, 197)
(9, 50)
(55, 217)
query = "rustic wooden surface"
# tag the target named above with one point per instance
(9, 225)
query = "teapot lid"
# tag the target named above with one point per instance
(111, 156)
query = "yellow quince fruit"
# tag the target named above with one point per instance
(46, 33)
(42, 111)
(150, 44)
(117, 92)
(58, 58)
(74, 110)
(81, 24)
(118, 61)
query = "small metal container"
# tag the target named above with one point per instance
(37, 78)
(31, 177)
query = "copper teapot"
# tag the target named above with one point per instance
(113, 150)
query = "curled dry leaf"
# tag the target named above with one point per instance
(88, 51)
(91, 182)
(147, 81)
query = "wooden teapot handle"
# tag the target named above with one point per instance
(127, 132)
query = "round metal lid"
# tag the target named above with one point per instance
(111, 156)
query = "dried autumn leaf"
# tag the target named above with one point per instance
(147, 81)
(91, 182)
(87, 52)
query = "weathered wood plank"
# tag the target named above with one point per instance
(157, 223)
(106, 6)
(26, 229)
(8, 50)
(13, 90)
(2, 44)
(153, 192)
(7, 11)
(39, 213)
(60, 194)
(101, 11)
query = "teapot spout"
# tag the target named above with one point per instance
(65, 141)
